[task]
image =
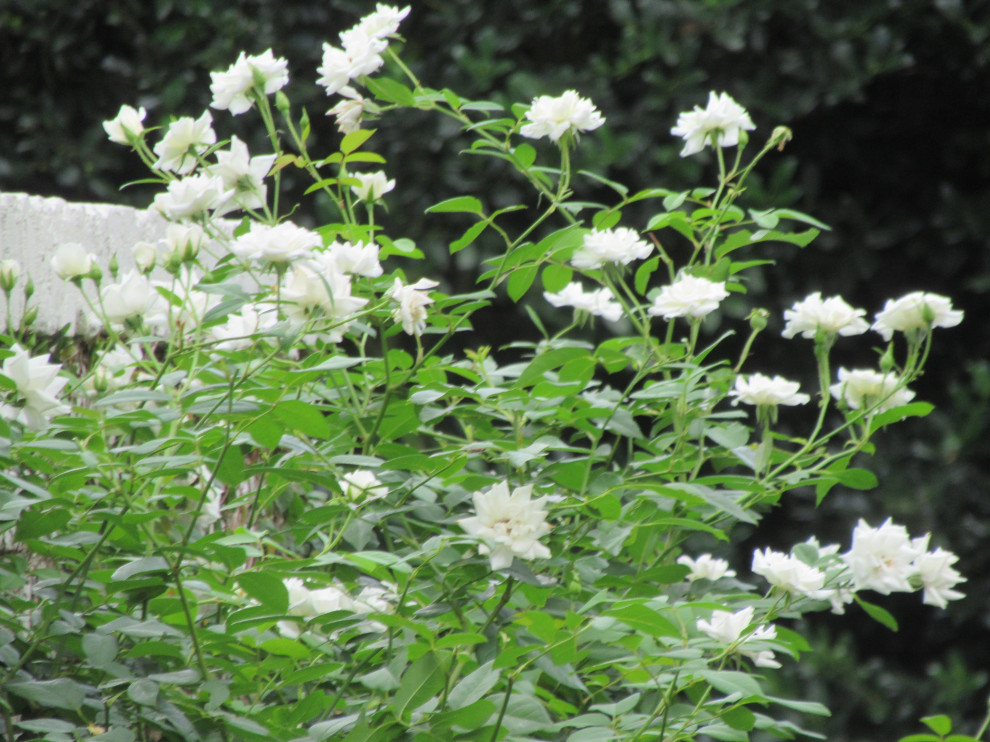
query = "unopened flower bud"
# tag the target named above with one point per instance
(758, 319)
(281, 101)
(781, 136)
(29, 288)
(29, 317)
(887, 359)
(114, 266)
(10, 271)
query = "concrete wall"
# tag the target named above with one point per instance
(31, 227)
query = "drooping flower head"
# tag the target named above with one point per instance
(509, 525)
(568, 113)
(412, 302)
(832, 316)
(718, 124)
(916, 311)
(620, 245)
(688, 296)
(127, 126)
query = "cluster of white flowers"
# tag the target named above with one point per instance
(232, 89)
(598, 302)
(621, 245)
(412, 301)
(688, 296)
(509, 525)
(359, 54)
(758, 389)
(732, 631)
(553, 117)
(719, 124)
(833, 316)
(884, 559)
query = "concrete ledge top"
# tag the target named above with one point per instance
(31, 227)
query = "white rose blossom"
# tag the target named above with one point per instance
(307, 603)
(145, 256)
(372, 186)
(688, 296)
(383, 22)
(412, 300)
(706, 567)
(865, 388)
(720, 122)
(554, 117)
(72, 261)
(183, 143)
(509, 525)
(193, 304)
(349, 110)
(758, 389)
(231, 88)
(316, 287)
(832, 316)
(916, 311)
(184, 241)
(882, 559)
(243, 174)
(132, 296)
(938, 577)
(789, 573)
(279, 244)
(38, 384)
(193, 196)
(236, 332)
(362, 484)
(730, 629)
(620, 245)
(358, 259)
(599, 302)
(127, 126)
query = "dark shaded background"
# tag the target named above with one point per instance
(890, 106)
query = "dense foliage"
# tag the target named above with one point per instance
(864, 86)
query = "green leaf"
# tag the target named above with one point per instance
(643, 273)
(556, 277)
(940, 724)
(857, 479)
(520, 281)
(32, 523)
(731, 681)
(474, 687)
(458, 204)
(739, 718)
(60, 693)
(896, 414)
(420, 682)
(468, 237)
(645, 619)
(877, 613)
(391, 91)
(143, 691)
(355, 139)
(139, 567)
(525, 155)
(266, 588)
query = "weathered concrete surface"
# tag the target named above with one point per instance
(31, 227)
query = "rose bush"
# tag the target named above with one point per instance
(292, 500)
